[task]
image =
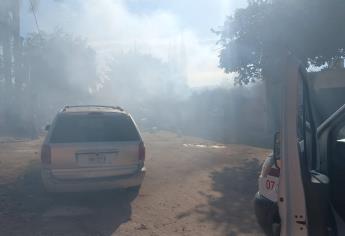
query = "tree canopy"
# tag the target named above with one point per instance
(59, 69)
(135, 72)
(59, 62)
(256, 38)
(52, 70)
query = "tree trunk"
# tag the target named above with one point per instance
(11, 75)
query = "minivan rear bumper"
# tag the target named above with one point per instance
(53, 184)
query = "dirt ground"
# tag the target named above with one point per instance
(192, 187)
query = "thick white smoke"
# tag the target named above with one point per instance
(111, 26)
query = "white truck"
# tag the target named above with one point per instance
(301, 186)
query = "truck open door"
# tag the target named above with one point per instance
(292, 198)
(310, 176)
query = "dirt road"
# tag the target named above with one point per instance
(192, 187)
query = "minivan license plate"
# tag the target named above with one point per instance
(93, 159)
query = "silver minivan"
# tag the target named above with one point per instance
(89, 148)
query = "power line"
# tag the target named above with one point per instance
(33, 12)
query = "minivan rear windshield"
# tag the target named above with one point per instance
(75, 128)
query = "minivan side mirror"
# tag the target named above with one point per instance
(276, 148)
(47, 127)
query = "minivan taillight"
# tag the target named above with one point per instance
(141, 151)
(46, 154)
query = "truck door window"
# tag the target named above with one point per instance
(337, 170)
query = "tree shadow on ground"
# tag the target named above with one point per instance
(232, 210)
(26, 209)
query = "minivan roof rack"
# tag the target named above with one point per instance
(96, 106)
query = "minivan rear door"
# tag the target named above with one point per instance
(94, 145)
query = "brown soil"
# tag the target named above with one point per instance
(191, 188)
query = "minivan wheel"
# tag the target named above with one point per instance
(133, 192)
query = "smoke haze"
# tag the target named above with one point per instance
(170, 31)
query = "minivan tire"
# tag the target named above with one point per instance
(133, 192)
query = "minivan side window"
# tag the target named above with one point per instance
(77, 128)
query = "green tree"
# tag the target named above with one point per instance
(142, 74)
(257, 39)
(59, 69)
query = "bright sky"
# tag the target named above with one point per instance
(165, 28)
